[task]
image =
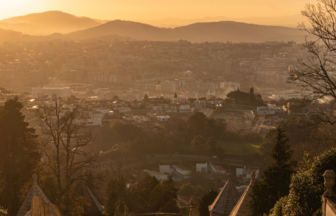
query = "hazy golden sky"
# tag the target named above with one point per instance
(155, 9)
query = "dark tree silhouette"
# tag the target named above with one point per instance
(275, 180)
(315, 74)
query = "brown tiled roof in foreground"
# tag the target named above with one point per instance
(225, 201)
(241, 209)
(35, 190)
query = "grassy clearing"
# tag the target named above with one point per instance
(240, 148)
(235, 148)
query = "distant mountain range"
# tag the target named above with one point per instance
(198, 32)
(48, 23)
(286, 21)
(83, 28)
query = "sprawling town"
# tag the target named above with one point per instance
(120, 118)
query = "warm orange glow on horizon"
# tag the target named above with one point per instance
(155, 9)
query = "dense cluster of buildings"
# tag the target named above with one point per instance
(129, 68)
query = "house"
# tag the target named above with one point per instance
(185, 108)
(96, 114)
(182, 172)
(199, 104)
(158, 107)
(163, 118)
(202, 167)
(158, 175)
(166, 169)
(91, 122)
(229, 85)
(217, 169)
(246, 172)
(105, 111)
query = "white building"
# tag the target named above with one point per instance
(181, 172)
(185, 108)
(63, 92)
(105, 111)
(229, 85)
(158, 175)
(202, 167)
(163, 118)
(96, 114)
(246, 172)
(218, 169)
(270, 109)
(91, 122)
(166, 169)
(199, 104)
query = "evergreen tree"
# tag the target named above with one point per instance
(206, 200)
(146, 99)
(252, 91)
(275, 180)
(18, 153)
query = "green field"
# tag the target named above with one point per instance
(240, 148)
(235, 148)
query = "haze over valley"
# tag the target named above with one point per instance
(81, 28)
(167, 108)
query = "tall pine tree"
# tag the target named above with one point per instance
(275, 180)
(18, 153)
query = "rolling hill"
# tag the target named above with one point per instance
(286, 21)
(212, 31)
(48, 23)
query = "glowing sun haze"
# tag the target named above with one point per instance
(155, 9)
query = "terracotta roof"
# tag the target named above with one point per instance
(218, 167)
(35, 190)
(226, 200)
(181, 167)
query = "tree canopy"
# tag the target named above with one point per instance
(275, 180)
(18, 153)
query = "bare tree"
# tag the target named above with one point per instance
(316, 75)
(66, 145)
